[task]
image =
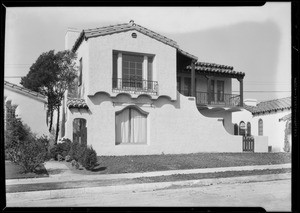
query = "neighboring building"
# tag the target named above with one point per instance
(31, 107)
(139, 93)
(264, 119)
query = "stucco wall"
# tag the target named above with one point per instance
(100, 51)
(271, 126)
(173, 127)
(222, 114)
(31, 110)
(260, 144)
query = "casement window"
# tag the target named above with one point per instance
(260, 127)
(132, 70)
(80, 72)
(131, 126)
(220, 90)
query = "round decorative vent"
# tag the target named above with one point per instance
(133, 35)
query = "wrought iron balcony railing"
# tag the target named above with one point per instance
(220, 99)
(134, 85)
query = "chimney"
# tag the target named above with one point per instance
(250, 102)
(71, 36)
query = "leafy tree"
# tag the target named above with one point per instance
(51, 75)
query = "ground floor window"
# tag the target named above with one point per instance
(131, 126)
(242, 128)
(260, 127)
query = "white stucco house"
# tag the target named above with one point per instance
(266, 118)
(139, 93)
(31, 107)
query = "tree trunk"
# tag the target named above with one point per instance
(51, 119)
(57, 125)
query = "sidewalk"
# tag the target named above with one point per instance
(66, 175)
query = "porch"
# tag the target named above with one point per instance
(214, 99)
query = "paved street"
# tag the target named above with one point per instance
(271, 195)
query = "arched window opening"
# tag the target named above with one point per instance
(80, 131)
(260, 127)
(236, 129)
(131, 126)
(242, 128)
(248, 129)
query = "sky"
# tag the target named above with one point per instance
(254, 40)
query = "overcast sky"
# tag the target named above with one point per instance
(254, 40)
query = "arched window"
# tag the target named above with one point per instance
(236, 129)
(260, 127)
(131, 125)
(79, 131)
(248, 129)
(242, 128)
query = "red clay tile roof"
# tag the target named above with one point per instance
(102, 31)
(76, 103)
(286, 117)
(25, 90)
(212, 68)
(270, 106)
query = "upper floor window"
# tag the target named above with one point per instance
(260, 127)
(133, 71)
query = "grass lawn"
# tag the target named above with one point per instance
(147, 163)
(14, 171)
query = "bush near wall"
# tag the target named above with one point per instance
(21, 145)
(61, 149)
(90, 158)
(85, 155)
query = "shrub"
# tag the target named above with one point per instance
(21, 145)
(59, 157)
(77, 151)
(73, 162)
(68, 158)
(61, 149)
(33, 154)
(90, 158)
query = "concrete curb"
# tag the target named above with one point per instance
(77, 177)
(90, 191)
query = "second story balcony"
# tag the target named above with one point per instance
(214, 99)
(135, 86)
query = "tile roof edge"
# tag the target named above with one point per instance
(136, 27)
(26, 91)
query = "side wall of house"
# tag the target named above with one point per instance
(30, 110)
(173, 127)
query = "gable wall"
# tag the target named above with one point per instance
(100, 61)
